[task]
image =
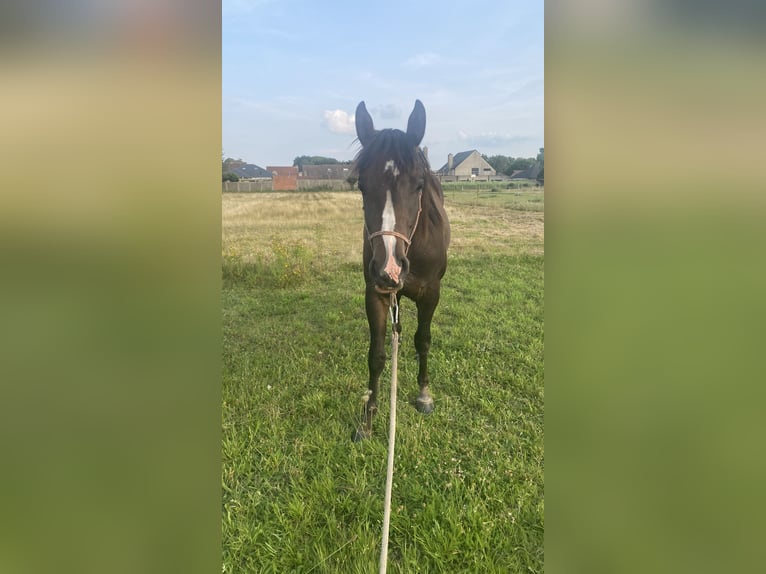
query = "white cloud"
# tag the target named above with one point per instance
(339, 122)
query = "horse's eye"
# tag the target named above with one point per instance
(420, 185)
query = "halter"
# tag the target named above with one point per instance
(407, 240)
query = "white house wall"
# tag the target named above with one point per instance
(474, 161)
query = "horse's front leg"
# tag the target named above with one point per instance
(426, 307)
(377, 308)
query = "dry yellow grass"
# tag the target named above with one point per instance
(330, 225)
(328, 222)
(482, 228)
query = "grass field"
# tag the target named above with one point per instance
(298, 495)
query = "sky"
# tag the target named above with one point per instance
(295, 70)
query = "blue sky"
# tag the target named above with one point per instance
(294, 71)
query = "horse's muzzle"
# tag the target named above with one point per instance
(391, 276)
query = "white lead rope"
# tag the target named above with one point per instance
(394, 312)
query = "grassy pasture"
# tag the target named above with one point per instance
(298, 496)
(518, 194)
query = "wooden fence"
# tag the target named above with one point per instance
(247, 186)
(266, 185)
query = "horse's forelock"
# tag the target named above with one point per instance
(389, 144)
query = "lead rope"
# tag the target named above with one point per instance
(393, 311)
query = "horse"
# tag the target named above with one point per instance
(406, 236)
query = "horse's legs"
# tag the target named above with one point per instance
(377, 313)
(426, 307)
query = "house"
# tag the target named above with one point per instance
(326, 171)
(284, 178)
(467, 165)
(251, 171)
(337, 176)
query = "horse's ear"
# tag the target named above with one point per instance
(416, 125)
(364, 128)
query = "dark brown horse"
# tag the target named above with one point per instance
(406, 234)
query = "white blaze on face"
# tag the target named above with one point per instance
(391, 166)
(389, 221)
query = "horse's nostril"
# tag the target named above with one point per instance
(389, 277)
(396, 270)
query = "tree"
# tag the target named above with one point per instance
(229, 163)
(230, 176)
(500, 163)
(541, 162)
(507, 164)
(522, 163)
(302, 160)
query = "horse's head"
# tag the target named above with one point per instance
(392, 172)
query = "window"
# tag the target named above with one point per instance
(474, 171)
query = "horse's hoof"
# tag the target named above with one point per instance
(359, 435)
(425, 406)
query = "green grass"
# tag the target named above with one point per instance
(298, 495)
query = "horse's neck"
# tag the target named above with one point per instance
(434, 195)
(433, 204)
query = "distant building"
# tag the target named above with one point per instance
(284, 178)
(467, 165)
(326, 171)
(247, 171)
